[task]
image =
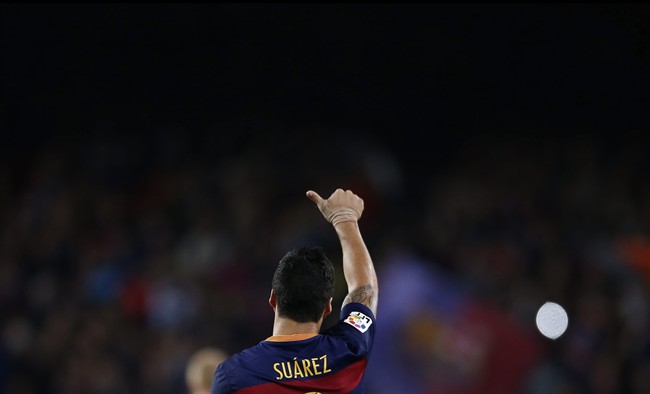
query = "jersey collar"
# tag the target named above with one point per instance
(290, 337)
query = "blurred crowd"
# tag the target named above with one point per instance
(123, 253)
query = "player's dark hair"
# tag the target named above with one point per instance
(303, 284)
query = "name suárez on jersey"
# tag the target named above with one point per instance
(301, 368)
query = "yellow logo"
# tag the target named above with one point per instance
(313, 392)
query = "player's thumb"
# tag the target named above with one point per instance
(312, 195)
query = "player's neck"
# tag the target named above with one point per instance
(284, 326)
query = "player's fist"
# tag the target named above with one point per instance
(341, 206)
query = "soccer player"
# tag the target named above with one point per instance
(297, 358)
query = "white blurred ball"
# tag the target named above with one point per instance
(552, 320)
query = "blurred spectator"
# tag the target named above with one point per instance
(200, 369)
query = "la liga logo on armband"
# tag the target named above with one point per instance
(359, 321)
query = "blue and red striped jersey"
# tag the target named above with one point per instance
(331, 362)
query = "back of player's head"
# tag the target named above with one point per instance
(303, 284)
(200, 369)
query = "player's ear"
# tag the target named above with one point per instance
(272, 300)
(328, 308)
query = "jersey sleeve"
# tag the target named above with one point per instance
(357, 326)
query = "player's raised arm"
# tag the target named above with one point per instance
(343, 209)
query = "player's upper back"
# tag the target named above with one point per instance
(334, 361)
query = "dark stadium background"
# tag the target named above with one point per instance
(154, 159)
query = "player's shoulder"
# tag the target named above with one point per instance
(355, 331)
